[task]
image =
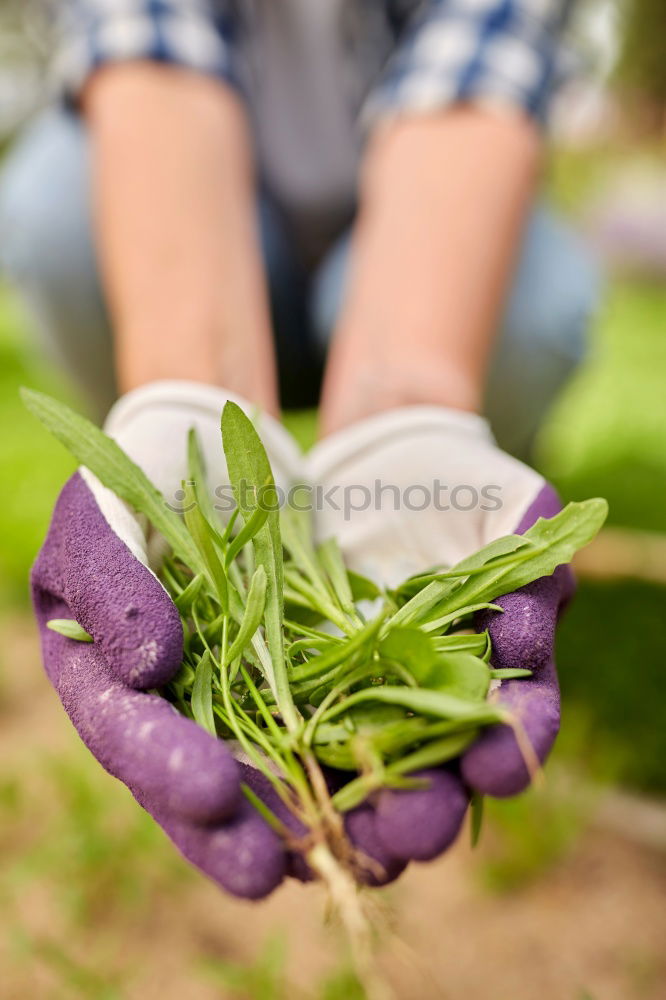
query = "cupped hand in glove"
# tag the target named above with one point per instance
(425, 486)
(95, 567)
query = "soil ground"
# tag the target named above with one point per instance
(95, 902)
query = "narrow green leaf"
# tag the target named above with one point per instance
(306, 645)
(551, 543)
(461, 674)
(510, 673)
(331, 560)
(197, 470)
(300, 628)
(254, 523)
(252, 480)
(296, 529)
(413, 649)
(425, 702)
(418, 607)
(432, 754)
(203, 535)
(476, 804)
(254, 611)
(461, 612)
(555, 541)
(106, 460)
(455, 642)
(70, 629)
(187, 597)
(503, 551)
(345, 650)
(202, 694)
(362, 588)
(267, 814)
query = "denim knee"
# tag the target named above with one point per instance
(45, 217)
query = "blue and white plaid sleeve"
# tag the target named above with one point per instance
(192, 33)
(502, 52)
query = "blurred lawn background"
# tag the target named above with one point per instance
(97, 905)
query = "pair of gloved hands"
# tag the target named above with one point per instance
(94, 567)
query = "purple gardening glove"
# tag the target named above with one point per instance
(423, 486)
(94, 567)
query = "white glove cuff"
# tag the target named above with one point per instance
(195, 402)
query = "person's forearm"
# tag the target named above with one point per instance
(443, 200)
(176, 230)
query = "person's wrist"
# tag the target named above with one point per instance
(368, 389)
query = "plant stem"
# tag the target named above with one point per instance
(347, 900)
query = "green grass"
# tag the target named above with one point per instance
(32, 466)
(611, 663)
(607, 433)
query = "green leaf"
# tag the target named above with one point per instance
(307, 645)
(343, 651)
(421, 604)
(460, 612)
(296, 527)
(250, 474)
(510, 673)
(432, 754)
(70, 629)
(423, 701)
(306, 574)
(197, 470)
(106, 460)
(552, 543)
(413, 649)
(187, 597)
(254, 523)
(300, 628)
(555, 542)
(477, 644)
(461, 674)
(362, 588)
(254, 611)
(458, 673)
(500, 548)
(476, 804)
(501, 551)
(203, 535)
(267, 814)
(202, 694)
(332, 562)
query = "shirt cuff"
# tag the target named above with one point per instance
(497, 53)
(169, 33)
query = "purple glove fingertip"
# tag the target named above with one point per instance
(124, 607)
(419, 824)
(362, 829)
(172, 763)
(495, 764)
(523, 636)
(297, 866)
(243, 855)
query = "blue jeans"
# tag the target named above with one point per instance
(46, 248)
